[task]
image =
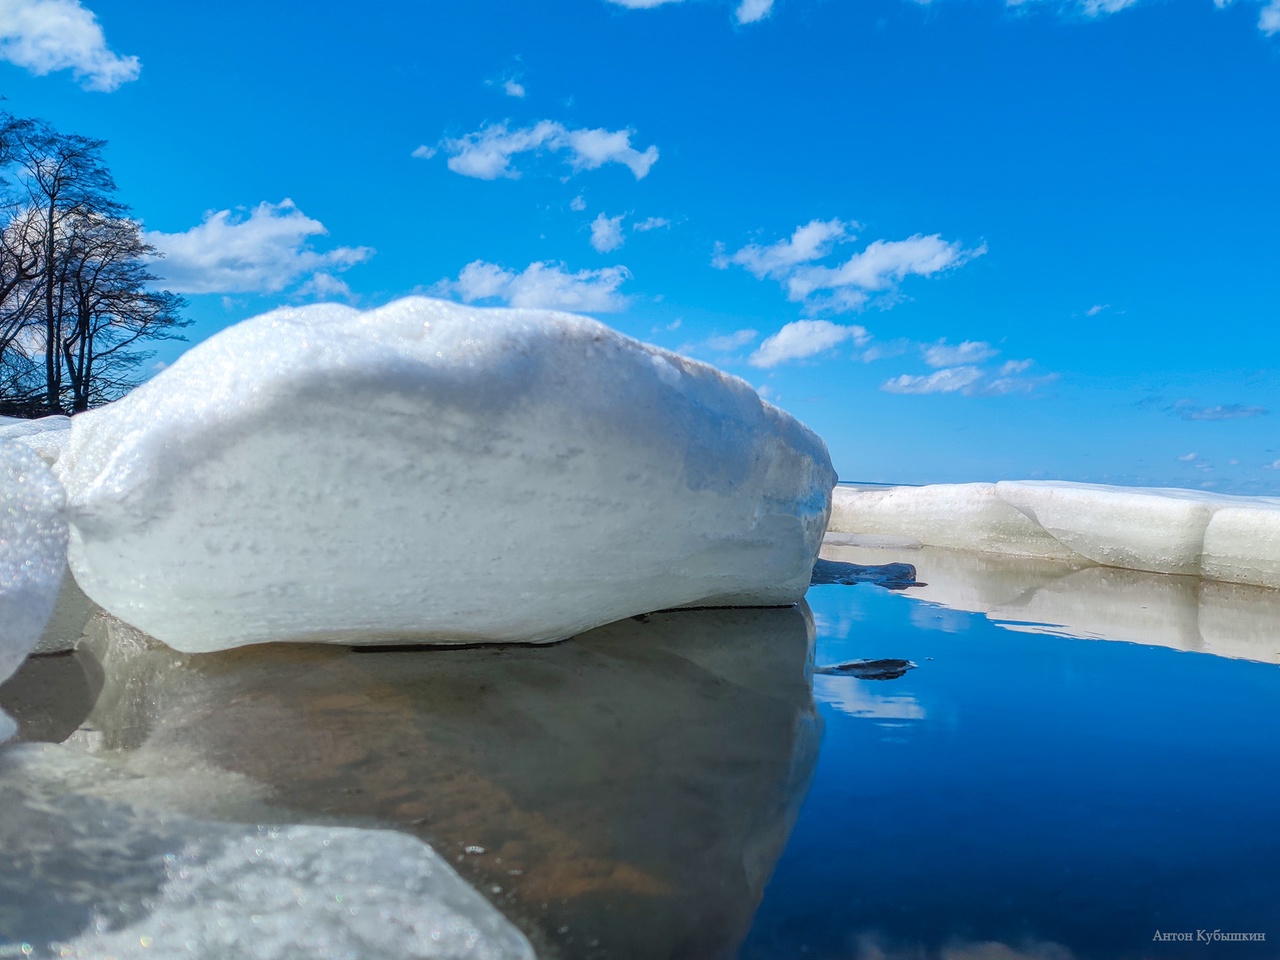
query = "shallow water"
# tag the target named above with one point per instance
(656, 788)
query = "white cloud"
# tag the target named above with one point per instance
(732, 341)
(883, 264)
(1096, 309)
(540, 285)
(812, 241)
(1094, 8)
(652, 223)
(486, 154)
(1189, 410)
(264, 252)
(47, 35)
(424, 152)
(879, 268)
(804, 338)
(325, 286)
(940, 381)
(578, 204)
(1269, 18)
(943, 354)
(1188, 457)
(1273, 465)
(641, 4)
(964, 376)
(513, 89)
(749, 11)
(606, 233)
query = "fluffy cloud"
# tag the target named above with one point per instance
(486, 154)
(641, 4)
(513, 89)
(943, 354)
(264, 252)
(878, 268)
(881, 266)
(749, 11)
(541, 285)
(940, 381)
(606, 233)
(1269, 18)
(812, 241)
(804, 338)
(963, 375)
(652, 223)
(1189, 410)
(47, 35)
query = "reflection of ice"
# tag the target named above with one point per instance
(1046, 596)
(635, 784)
(854, 697)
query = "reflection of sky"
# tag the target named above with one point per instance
(855, 697)
(1056, 798)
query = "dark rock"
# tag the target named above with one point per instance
(868, 669)
(892, 576)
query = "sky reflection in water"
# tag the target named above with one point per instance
(1024, 795)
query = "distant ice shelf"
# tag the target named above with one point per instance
(1158, 530)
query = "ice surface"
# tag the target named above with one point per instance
(91, 878)
(427, 471)
(33, 544)
(966, 516)
(1242, 544)
(635, 786)
(1159, 530)
(47, 436)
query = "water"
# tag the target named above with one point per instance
(682, 786)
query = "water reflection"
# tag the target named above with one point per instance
(626, 793)
(1055, 597)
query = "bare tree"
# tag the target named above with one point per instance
(74, 283)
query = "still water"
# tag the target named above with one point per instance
(1080, 758)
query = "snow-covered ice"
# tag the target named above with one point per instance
(432, 472)
(47, 436)
(1159, 530)
(89, 877)
(33, 544)
(965, 516)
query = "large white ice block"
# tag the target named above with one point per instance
(1158, 530)
(33, 546)
(966, 516)
(427, 471)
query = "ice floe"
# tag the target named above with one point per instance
(1158, 530)
(89, 877)
(432, 472)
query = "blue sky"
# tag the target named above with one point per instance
(962, 240)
